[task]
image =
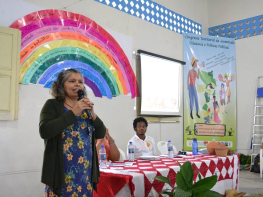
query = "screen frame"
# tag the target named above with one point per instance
(138, 73)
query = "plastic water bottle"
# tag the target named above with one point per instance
(103, 158)
(195, 147)
(170, 149)
(131, 151)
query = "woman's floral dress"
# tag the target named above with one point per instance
(216, 117)
(77, 151)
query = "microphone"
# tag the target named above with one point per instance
(81, 96)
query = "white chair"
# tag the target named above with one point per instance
(162, 146)
(122, 155)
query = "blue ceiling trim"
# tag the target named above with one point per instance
(156, 14)
(239, 29)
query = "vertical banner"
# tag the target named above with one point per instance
(209, 90)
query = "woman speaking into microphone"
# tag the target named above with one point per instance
(70, 165)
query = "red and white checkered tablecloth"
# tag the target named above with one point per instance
(226, 169)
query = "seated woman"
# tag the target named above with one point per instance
(112, 151)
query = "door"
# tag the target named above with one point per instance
(10, 41)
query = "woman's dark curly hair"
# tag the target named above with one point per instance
(57, 90)
(139, 119)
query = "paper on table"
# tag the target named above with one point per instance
(116, 164)
(149, 157)
(116, 168)
(203, 151)
(129, 163)
(186, 156)
(122, 164)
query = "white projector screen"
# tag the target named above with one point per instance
(161, 85)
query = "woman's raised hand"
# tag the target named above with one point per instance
(81, 105)
(108, 137)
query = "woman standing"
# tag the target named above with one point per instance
(227, 81)
(222, 94)
(216, 111)
(70, 166)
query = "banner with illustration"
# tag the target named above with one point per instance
(209, 90)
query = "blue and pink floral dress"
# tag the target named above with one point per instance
(77, 151)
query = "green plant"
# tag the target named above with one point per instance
(185, 186)
(244, 159)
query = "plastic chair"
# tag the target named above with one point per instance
(122, 155)
(162, 146)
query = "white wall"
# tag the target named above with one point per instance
(225, 11)
(21, 148)
(248, 61)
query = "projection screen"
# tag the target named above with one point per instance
(161, 85)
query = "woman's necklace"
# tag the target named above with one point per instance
(68, 104)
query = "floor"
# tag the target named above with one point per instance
(251, 183)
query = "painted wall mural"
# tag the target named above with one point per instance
(54, 40)
(155, 13)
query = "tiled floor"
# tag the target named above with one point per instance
(251, 183)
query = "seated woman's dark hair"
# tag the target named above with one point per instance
(57, 90)
(139, 119)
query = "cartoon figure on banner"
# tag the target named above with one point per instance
(210, 84)
(208, 88)
(216, 111)
(230, 132)
(188, 130)
(222, 95)
(227, 81)
(208, 116)
(191, 78)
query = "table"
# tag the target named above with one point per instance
(138, 180)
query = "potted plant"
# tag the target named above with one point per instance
(185, 186)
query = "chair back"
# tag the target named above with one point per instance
(162, 146)
(122, 155)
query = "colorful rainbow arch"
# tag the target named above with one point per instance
(55, 40)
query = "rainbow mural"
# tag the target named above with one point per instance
(55, 40)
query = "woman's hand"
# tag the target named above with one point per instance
(83, 104)
(100, 142)
(114, 151)
(108, 137)
(232, 77)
